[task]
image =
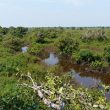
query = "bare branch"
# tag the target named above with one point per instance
(41, 93)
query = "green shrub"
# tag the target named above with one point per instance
(1, 38)
(10, 64)
(40, 37)
(13, 43)
(35, 49)
(99, 65)
(3, 31)
(76, 57)
(18, 32)
(107, 53)
(4, 52)
(38, 71)
(67, 45)
(85, 56)
(15, 97)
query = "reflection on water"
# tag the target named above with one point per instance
(51, 60)
(86, 81)
(24, 49)
(81, 77)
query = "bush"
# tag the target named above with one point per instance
(76, 57)
(107, 53)
(40, 37)
(68, 46)
(35, 49)
(99, 65)
(4, 52)
(11, 64)
(13, 43)
(3, 31)
(18, 32)
(1, 38)
(15, 97)
(86, 56)
(38, 72)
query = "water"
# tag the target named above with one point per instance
(81, 77)
(86, 81)
(51, 60)
(24, 49)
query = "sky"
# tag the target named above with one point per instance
(50, 13)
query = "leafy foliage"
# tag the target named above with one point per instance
(99, 65)
(67, 45)
(107, 53)
(14, 63)
(74, 99)
(13, 43)
(14, 97)
(86, 56)
(3, 31)
(35, 49)
(18, 32)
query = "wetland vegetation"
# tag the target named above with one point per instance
(55, 68)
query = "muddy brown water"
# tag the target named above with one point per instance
(80, 76)
(87, 79)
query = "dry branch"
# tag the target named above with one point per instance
(41, 93)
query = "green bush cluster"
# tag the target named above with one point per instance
(95, 61)
(40, 38)
(35, 49)
(3, 31)
(13, 43)
(99, 65)
(107, 53)
(86, 56)
(18, 32)
(15, 97)
(11, 64)
(67, 45)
